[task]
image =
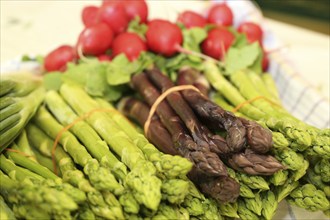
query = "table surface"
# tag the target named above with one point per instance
(36, 27)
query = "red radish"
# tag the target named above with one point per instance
(135, 8)
(130, 44)
(89, 15)
(57, 59)
(220, 14)
(104, 58)
(191, 19)
(265, 60)
(252, 31)
(114, 15)
(163, 37)
(96, 39)
(217, 42)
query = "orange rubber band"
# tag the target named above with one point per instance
(238, 107)
(20, 152)
(66, 128)
(161, 98)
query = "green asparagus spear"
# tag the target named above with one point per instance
(29, 164)
(83, 131)
(253, 182)
(316, 180)
(229, 209)
(100, 177)
(222, 85)
(322, 151)
(245, 213)
(142, 179)
(269, 205)
(309, 198)
(175, 190)
(24, 146)
(271, 86)
(284, 190)
(71, 174)
(33, 199)
(254, 204)
(245, 191)
(261, 86)
(279, 177)
(322, 168)
(17, 117)
(5, 211)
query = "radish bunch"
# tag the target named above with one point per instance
(105, 34)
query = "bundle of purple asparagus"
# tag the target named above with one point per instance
(186, 123)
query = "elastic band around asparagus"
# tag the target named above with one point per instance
(142, 180)
(70, 173)
(100, 177)
(204, 160)
(168, 165)
(85, 133)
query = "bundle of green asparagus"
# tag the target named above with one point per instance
(20, 96)
(98, 151)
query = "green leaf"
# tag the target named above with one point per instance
(257, 65)
(120, 69)
(136, 27)
(241, 58)
(192, 38)
(240, 41)
(113, 93)
(96, 83)
(52, 80)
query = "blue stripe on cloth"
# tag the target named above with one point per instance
(287, 83)
(301, 95)
(291, 213)
(313, 109)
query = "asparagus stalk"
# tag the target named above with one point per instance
(309, 198)
(228, 192)
(200, 133)
(245, 213)
(261, 86)
(142, 179)
(24, 145)
(5, 211)
(100, 177)
(254, 164)
(269, 205)
(29, 164)
(204, 160)
(170, 166)
(33, 199)
(222, 85)
(271, 86)
(72, 175)
(254, 204)
(17, 118)
(85, 133)
(253, 182)
(45, 161)
(208, 110)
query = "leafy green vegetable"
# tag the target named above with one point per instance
(53, 80)
(257, 65)
(100, 79)
(136, 27)
(241, 58)
(191, 40)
